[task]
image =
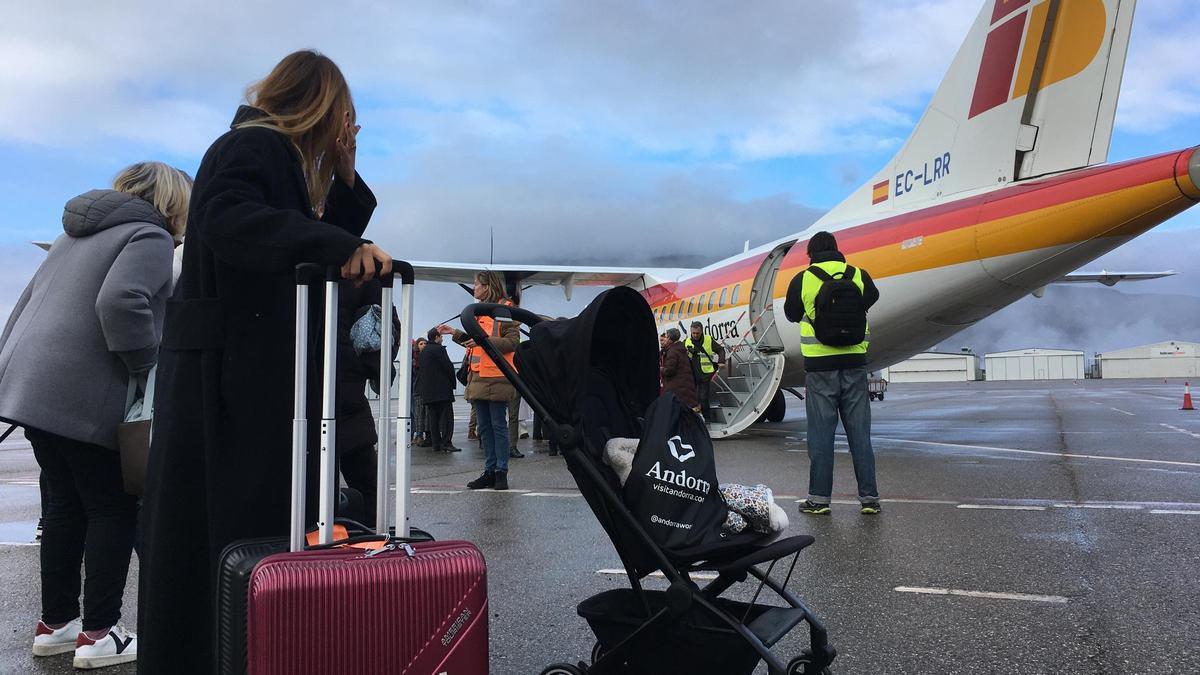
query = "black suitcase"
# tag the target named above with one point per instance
(238, 560)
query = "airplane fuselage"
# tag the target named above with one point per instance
(942, 267)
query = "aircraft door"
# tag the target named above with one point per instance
(763, 329)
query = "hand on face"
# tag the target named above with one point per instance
(347, 147)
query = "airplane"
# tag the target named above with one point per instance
(1001, 189)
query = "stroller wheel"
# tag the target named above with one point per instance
(803, 665)
(564, 669)
(597, 652)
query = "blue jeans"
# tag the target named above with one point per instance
(491, 417)
(830, 394)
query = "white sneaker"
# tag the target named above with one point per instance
(48, 641)
(117, 646)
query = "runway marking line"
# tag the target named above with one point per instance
(1172, 427)
(990, 595)
(1125, 507)
(19, 543)
(421, 491)
(1000, 507)
(1123, 412)
(1178, 512)
(1040, 452)
(553, 494)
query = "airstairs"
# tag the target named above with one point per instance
(747, 386)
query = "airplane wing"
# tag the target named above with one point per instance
(546, 275)
(1111, 278)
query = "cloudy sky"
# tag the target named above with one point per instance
(610, 132)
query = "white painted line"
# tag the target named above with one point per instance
(1179, 512)
(1126, 507)
(30, 483)
(420, 491)
(1123, 412)
(553, 494)
(1172, 427)
(19, 543)
(786, 497)
(1039, 452)
(1000, 507)
(982, 594)
(704, 576)
(947, 502)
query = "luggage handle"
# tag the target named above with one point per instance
(306, 275)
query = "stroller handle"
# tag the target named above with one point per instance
(567, 437)
(471, 313)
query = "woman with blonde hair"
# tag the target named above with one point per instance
(89, 321)
(487, 389)
(279, 189)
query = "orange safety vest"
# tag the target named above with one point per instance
(480, 362)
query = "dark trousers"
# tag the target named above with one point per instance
(441, 424)
(89, 521)
(358, 466)
(702, 389)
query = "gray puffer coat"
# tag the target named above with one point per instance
(91, 316)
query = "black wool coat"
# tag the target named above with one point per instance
(220, 461)
(437, 379)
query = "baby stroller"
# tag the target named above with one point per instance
(591, 378)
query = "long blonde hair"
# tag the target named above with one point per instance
(167, 188)
(306, 98)
(493, 285)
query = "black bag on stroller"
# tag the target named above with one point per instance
(672, 487)
(593, 378)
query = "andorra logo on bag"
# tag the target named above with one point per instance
(680, 450)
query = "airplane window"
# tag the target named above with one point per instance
(734, 299)
(724, 291)
(691, 305)
(671, 312)
(712, 300)
(700, 305)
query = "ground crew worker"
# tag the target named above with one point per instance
(706, 355)
(829, 300)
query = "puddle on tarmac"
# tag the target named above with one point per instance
(17, 533)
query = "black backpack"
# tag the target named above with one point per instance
(841, 313)
(672, 486)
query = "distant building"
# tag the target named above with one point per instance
(1035, 364)
(962, 366)
(1158, 360)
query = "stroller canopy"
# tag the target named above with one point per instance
(615, 334)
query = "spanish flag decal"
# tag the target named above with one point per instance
(879, 192)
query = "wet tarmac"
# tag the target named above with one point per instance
(1027, 527)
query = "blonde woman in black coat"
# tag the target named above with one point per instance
(220, 464)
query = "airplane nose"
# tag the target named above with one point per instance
(1187, 173)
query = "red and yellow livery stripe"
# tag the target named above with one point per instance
(1118, 200)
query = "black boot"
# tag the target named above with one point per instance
(500, 480)
(485, 480)
(514, 453)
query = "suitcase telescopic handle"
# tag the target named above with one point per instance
(308, 274)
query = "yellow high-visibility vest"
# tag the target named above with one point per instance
(810, 285)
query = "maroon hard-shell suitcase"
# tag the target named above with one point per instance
(417, 608)
(420, 611)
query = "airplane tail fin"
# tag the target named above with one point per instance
(1032, 91)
